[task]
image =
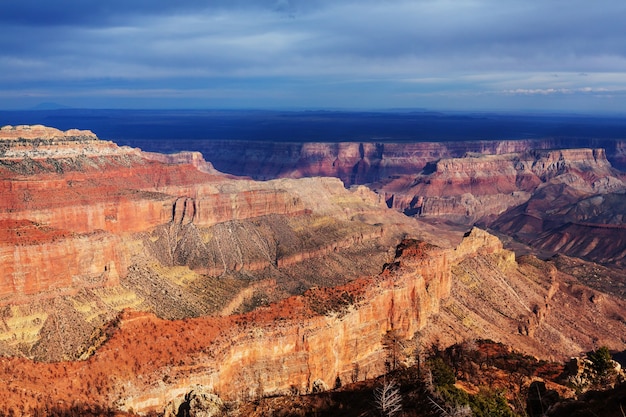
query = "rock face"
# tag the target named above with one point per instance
(475, 186)
(306, 342)
(96, 228)
(57, 264)
(567, 201)
(319, 336)
(367, 162)
(40, 132)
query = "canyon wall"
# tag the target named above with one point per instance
(298, 345)
(475, 186)
(119, 257)
(306, 343)
(310, 341)
(70, 205)
(62, 264)
(365, 162)
(88, 229)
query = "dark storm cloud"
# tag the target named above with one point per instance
(82, 12)
(393, 50)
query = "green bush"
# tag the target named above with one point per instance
(490, 404)
(443, 374)
(601, 361)
(487, 403)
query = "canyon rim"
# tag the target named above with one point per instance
(131, 277)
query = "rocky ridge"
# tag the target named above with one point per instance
(90, 224)
(476, 186)
(365, 162)
(567, 201)
(154, 248)
(427, 293)
(40, 132)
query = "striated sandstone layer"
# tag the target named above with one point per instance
(89, 228)
(57, 263)
(432, 293)
(366, 162)
(475, 186)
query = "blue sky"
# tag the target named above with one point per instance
(531, 55)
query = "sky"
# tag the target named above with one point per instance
(511, 55)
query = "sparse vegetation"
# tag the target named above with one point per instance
(388, 399)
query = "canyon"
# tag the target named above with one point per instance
(306, 342)
(88, 227)
(130, 278)
(554, 194)
(361, 162)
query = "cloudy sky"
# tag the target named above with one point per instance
(530, 55)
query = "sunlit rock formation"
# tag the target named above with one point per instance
(136, 278)
(368, 162)
(107, 227)
(302, 343)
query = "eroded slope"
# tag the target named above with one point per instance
(427, 294)
(90, 228)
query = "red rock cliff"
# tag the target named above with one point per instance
(319, 336)
(326, 333)
(75, 193)
(466, 189)
(368, 162)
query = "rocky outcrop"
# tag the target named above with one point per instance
(475, 186)
(40, 132)
(478, 241)
(307, 342)
(194, 159)
(364, 162)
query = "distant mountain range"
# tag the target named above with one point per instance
(126, 126)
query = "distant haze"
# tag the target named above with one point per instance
(145, 127)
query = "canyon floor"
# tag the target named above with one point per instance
(131, 278)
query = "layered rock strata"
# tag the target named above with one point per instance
(88, 229)
(567, 201)
(461, 182)
(171, 236)
(475, 186)
(324, 334)
(65, 193)
(307, 342)
(364, 162)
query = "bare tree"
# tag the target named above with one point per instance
(388, 399)
(455, 411)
